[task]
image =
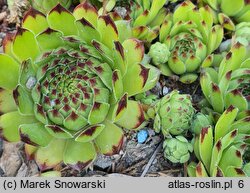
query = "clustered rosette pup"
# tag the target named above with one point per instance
(172, 116)
(229, 13)
(220, 149)
(66, 80)
(187, 40)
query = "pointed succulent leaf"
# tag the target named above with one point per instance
(219, 147)
(117, 84)
(49, 39)
(87, 31)
(135, 56)
(226, 22)
(87, 11)
(242, 125)
(142, 19)
(235, 172)
(104, 51)
(236, 98)
(110, 140)
(205, 82)
(136, 78)
(59, 14)
(231, 157)
(89, 133)
(191, 169)
(25, 45)
(7, 103)
(119, 58)
(30, 151)
(135, 113)
(216, 98)
(9, 72)
(50, 156)
(7, 44)
(98, 113)
(35, 134)
(23, 100)
(200, 170)
(27, 75)
(9, 124)
(223, 124)
(188, 78)
(108, 30)
(180, 13)
(205, 145)
(79, 155)
(58, 132)
(35, 21)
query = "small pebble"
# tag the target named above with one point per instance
(165, 90)
(142, 136)
(31, 82)
(121, 11)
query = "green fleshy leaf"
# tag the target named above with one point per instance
(9, 72)
(117, 84)
(74, 121)
(7, 103)
(50, 156)
(90, 133)
(201, 170)
(104, 51)
(134, 113)
(206, 145)
(118, 109)
(231, 157)
(235, 172)
(35, 21)
(49, 39)
(223, 124)
(119, 57)
(107, 29)
(98, 113)
(10, 122)
(191, 169)
(58, 15)
(87, 11)
(58, 132)
(79, 155)
(86, 31)
(136, 78)
(110, 141)
(134, 51)
(23, 100)
(35, 134)
(25, 45)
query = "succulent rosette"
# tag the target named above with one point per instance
(178, 149)
(223, 88)
(242, 35)
(220, 149)
(230, 12)
(199, 122)
(45, 6)
(172, 114)
(191, 39)
(65, 83)
(146, 18)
